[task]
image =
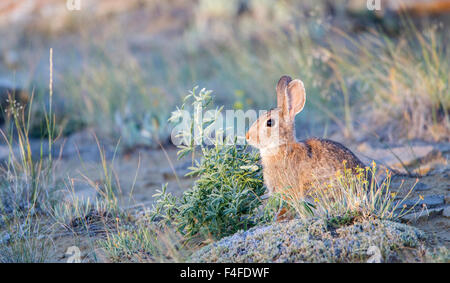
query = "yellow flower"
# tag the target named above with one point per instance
(238, 105)
(421, 197)
(393, 195)
(316, 200)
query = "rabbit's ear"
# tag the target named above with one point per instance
(281, 91)
(295, 97)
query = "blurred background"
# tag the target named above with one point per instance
(373, 70)
(376, 75)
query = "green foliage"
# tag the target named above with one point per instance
(227, 193)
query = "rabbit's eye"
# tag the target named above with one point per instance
(270, 123)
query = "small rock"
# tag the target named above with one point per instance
(443, 171)
(422, 187)
(443, 147)
(430, 201)
(375, 254)
(392, 156)
(446, 212)
(422, 215)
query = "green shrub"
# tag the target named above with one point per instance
(226, 196)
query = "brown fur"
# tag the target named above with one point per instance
(292, 165)
(297, 165)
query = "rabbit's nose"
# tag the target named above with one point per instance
(247, 136)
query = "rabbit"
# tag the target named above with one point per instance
(291, 164)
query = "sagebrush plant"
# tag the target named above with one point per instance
(352, 195)
(226, 195)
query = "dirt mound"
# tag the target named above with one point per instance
(315, 241)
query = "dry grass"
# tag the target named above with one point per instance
(143, 241)
(126, 86)
(405, 81)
